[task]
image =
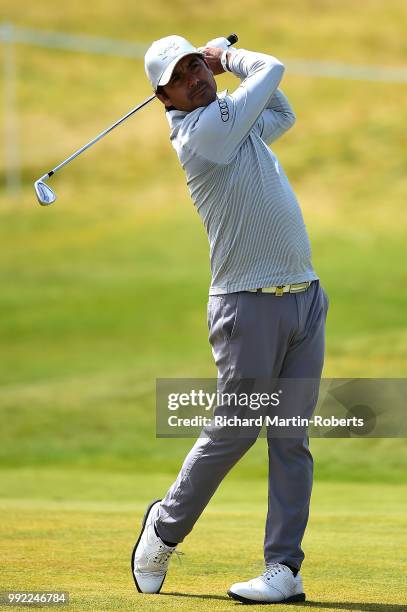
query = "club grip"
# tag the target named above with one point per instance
(232, 38)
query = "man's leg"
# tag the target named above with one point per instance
(290, 461)
(203, 470)
(249, 334)
(168, 521)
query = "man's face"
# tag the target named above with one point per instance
(192, 85)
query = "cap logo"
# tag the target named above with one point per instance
(169, 50)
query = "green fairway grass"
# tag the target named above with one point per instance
(75, 533)
(106, 290)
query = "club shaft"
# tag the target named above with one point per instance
(100, 136)
(232, 38)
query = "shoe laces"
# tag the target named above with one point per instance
(272, 570)
(162, 557)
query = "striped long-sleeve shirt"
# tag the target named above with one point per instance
(254, 223)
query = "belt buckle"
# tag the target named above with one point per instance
(279, 290)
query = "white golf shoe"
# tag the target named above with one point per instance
(150, 558)
(276, 585)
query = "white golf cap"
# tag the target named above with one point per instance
(162, 57)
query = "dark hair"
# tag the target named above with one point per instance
(160, 91)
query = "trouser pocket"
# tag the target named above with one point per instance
(230, 315)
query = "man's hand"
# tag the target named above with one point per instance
(213, 51)
(212, 57)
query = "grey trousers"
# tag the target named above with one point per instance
(257, 335)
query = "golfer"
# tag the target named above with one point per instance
(266, 309)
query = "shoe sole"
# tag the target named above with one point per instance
(246, 600)
(147, 512)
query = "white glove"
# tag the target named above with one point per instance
(220, 43)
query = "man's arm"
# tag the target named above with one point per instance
(277, 117)
(217, 132)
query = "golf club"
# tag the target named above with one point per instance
(44, 193)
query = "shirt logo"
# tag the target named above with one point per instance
(224, 109)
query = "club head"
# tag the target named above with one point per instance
(45, 195)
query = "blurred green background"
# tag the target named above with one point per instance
(106, 290)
